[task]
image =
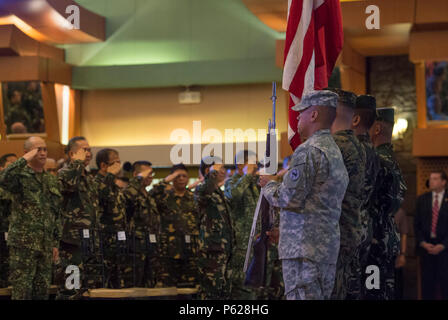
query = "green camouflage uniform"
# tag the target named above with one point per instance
(356, 285)
(144, 223)
(216, 240)
(118, 269)
(80, 215)
(385, 245)
(5, 208)
(243, 194)
(274, 289)
(179, 236)
(354, 157)
(34, 228)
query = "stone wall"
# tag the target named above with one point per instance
(392, 81)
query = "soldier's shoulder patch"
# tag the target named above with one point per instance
(294, 174)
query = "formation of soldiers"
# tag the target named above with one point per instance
(123, 237)
(337, 199)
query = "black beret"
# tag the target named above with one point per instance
(385, 114)
(366, 101)
(345, 97)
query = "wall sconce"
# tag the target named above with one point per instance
(400, 127)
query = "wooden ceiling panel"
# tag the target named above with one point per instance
(45, 20)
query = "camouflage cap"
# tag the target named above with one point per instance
(366, 101)
(323, 98)
(346, 98)
(385, 114)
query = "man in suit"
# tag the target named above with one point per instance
(431, 231)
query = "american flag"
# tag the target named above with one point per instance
(314, 39)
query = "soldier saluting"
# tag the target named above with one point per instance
(34, 229)
(310, 198)
(80, 212)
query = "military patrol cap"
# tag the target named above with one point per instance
(323, 98)
(385, 115)
(346, 98)
(366, 101)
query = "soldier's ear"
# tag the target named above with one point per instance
(314, 115)
(356, 120)
(378, 128)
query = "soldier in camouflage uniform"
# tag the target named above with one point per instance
(365, 114)
(144, 223)
(118, 269)
(355, 162)
(80, 213)
(179, 229)
(5, 209)
(310, 199)
(274, 288)
(385, 245)
(242, 191)
(216, 234)
(35, 229)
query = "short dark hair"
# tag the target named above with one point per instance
(179, 166)
(367, 116)
(136, 166)
(72, 143)
(207, 162)
(5, 157)
(442, 173)
(103, 156)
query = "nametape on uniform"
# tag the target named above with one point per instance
(121, 236)
(85, 233)
(6, 236)
(187, 238)
(152, 238)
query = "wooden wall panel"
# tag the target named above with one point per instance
(420, 88)
(431, 11)
(430, 142)
(34, 69)
(50, 111)
(428, 45)
(19, 44)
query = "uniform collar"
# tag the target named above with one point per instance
(319, 133)
(345, 132)
(386, 146)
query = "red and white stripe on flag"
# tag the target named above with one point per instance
(314, 39)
